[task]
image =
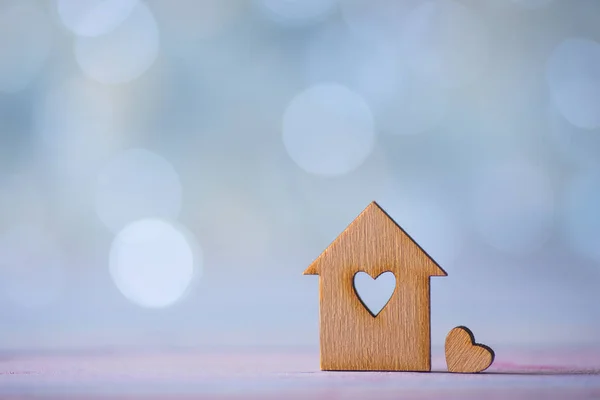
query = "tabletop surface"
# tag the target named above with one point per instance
(287, 373)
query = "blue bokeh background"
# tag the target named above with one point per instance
(168, 168)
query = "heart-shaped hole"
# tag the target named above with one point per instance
(374, 294)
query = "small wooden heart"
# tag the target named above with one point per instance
(463, 355)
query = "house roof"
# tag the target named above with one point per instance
(374, 242)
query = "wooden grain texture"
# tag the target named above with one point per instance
(464, 355)
(351, 338)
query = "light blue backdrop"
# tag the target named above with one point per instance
(169, 168)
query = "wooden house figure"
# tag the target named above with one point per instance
(351, 337)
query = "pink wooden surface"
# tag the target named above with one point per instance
(288, 374)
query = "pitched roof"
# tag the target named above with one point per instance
(375, 242)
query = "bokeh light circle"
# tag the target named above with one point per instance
(153, 263)
(94, 17)
(25, 43)
(123, 54)
(32, 271)
(328, 130)
(134, 185)
(513, 207)
(573, 76)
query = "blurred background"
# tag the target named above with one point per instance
(169, 168)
